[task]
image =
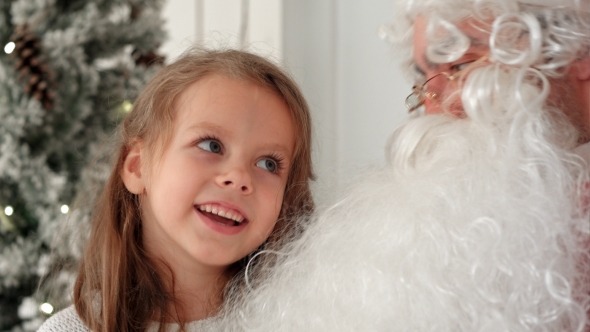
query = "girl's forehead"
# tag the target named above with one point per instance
(230, 104)
(218, 93)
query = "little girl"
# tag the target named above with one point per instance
(213, 161)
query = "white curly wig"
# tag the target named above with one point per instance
(558, 30)
(535, 40)
(475, 224)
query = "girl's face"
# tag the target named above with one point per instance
(216, 192)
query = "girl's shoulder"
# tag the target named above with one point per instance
(65, 320)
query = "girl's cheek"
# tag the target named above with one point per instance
(275, 182)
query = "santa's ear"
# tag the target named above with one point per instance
(131, 173)
(581, 68)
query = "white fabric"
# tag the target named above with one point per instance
(65, 320)
(68, 320)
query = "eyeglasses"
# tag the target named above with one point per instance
(421, 92)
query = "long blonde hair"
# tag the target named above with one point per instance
(117, 288)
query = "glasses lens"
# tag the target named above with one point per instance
(413, 101)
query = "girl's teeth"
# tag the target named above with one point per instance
(221, 213)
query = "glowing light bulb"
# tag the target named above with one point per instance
(46, 308)
(9, 47)
(8, 210)
(65, 209)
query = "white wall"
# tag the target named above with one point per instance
(217, 23)
(349, 76)
(181, 25)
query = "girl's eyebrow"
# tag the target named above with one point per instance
(279, 148)
(207, 126)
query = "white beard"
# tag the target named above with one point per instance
(472, 226)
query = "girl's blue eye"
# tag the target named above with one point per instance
(210, 145)
(268, 164)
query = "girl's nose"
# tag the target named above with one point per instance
(236, 178)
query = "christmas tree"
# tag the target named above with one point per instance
(69, 71)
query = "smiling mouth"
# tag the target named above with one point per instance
(222, 215)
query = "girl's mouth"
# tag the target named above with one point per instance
(222, 215)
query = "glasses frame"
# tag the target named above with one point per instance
(421, 94)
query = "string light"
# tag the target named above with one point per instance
(121, 110)
(8, 210)
(9, 47)
(5, 222)
(127, 106)
(46, 308)
(65, 209)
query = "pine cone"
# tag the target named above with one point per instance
(135, 11)
(30, 67)
(147, 59)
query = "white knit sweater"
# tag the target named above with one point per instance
(68, 320)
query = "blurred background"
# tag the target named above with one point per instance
(71, 69)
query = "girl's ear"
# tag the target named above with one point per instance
(131, 172)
